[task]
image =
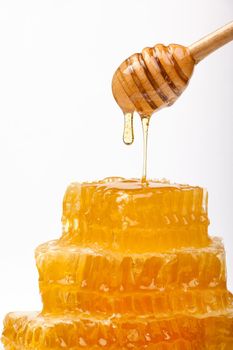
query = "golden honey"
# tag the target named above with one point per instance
(153, 79)
(148, 81)
(134, 268)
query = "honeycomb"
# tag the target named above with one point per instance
(133, 269)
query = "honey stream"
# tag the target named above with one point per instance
(128, 137)
(145, 127)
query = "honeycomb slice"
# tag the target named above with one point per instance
(134, 269)
(75, 332)
(90, 268)
(76, 278)
(129, 215)
(68, 298)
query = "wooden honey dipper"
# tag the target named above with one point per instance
(148, 81)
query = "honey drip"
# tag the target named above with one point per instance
(145, 127)
(128, 136)
(135, 267)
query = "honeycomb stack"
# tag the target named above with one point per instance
(134, 269)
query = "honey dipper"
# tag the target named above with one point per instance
(148, 81)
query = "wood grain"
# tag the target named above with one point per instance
(211, 42)
(148, 81)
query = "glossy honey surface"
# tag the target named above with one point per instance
(133, 269)
(148, 81)
(134, 216)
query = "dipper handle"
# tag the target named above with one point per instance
(205, 46)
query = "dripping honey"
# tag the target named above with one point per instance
(145, 128)
(128, 135)
(148, 81)
(135, 267)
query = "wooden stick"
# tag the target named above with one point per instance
(202, 48)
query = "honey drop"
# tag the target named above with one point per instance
(128, 135)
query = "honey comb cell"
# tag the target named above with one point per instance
(134, 268)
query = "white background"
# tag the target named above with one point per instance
(60, 123)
